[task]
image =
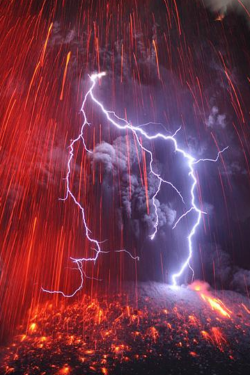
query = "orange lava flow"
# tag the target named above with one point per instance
(97, 333)
(215, 304)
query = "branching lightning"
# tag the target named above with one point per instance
(123, 124)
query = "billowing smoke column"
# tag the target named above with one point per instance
(224, 5)
(123, 124)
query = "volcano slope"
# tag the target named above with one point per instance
(148, 328)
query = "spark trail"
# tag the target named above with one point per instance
(122, 124)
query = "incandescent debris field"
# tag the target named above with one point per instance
(153, 328)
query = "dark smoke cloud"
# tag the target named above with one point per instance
(116, 162)
(225, 6)
(217, 117)
(241, 281)
(218, 265)
(221, 272)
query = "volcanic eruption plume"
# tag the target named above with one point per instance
(123, 125)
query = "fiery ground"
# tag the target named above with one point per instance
(174, 64)
(151, 329)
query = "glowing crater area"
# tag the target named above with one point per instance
(192, 329)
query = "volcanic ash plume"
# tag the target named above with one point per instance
(224, 6)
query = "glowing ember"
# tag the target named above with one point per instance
(215, 303)
(172, 328)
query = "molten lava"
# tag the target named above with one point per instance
(112, 333)
(216, 304)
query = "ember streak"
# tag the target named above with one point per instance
(137, 131)
(111, 334)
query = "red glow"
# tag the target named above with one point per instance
(214, 303)
(45, 60)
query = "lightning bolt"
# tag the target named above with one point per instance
(122, 124)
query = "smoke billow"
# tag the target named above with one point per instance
(217, 116)
(116, 161)
(241, 280)
(226, 6)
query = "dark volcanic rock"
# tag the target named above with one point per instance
(161, 331)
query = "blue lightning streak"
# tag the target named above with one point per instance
(123, 124)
